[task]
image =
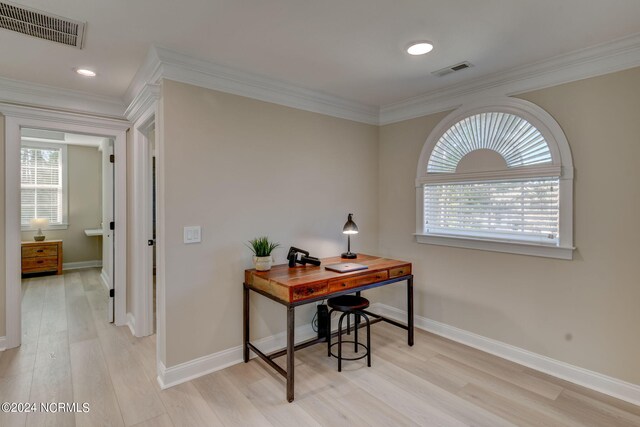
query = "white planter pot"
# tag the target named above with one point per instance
(262, 263)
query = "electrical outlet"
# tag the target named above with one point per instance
(192, 234)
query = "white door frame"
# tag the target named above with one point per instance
(17, 117)
(143, 113)
(141, 227)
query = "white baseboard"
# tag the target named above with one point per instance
(174, 375)
(602, 383)
(131, 323)
(103, 279)
(3, 343)
(81, 264)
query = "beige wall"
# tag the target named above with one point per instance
(2, 237)
(242, 168)
(85, 206)
(584, 312)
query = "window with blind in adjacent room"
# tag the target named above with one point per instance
(43, 184)
(498, 176)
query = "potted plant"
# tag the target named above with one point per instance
(262, 248)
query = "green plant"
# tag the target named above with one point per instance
(261, 246)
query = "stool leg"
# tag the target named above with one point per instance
(366, 318)
(348, 324)
(340, 341)
(356, 321)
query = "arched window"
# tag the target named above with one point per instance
(497, 175)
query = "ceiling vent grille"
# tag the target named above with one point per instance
(41, 24)
(452, 69)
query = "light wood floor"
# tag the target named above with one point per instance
(71, 354)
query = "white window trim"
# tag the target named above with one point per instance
(562, 166)
(64, 225)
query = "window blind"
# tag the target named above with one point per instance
(511, 136)
(41, 184)
(526, 210)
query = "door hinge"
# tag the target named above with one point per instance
(112, 293)
(112, 225)
(112, 158)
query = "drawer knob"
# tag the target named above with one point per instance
(40, 250)
(400, 272)
(40, 262)
(344, 285)
(378, 277)
(309, 291)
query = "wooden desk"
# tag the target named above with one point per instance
(300, 285)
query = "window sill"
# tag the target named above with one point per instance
(49, 227)
(520, 248)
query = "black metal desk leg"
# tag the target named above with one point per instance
(291, 326)
(245, 322)
(410, 310)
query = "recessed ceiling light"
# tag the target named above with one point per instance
(85, 72)
(419, 48)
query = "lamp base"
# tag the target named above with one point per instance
(349, 255)
(38, 238)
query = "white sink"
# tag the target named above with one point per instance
(91, 232)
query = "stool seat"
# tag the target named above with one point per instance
(350, 305)
(347, 303)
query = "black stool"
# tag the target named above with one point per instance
(349, 304)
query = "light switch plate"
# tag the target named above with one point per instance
(192, 234)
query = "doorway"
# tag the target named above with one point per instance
(67, 202)
(43, 124)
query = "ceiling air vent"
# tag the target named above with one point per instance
(452, 69)
(42, 25)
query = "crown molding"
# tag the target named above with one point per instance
(163, 63)
(150, 72)
(149, 94)
(37, 95)
(597, 60)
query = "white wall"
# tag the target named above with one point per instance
(242, 168)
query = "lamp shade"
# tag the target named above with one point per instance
(350, 227)
(39, 223)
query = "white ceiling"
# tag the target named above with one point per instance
(352, 49)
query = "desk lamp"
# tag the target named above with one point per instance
(349, 228)
(39, 223)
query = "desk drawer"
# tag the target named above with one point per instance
(400, 271)
(353, 282)
(308, 291)
(40, 251)
(34, 265)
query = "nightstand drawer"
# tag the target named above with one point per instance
(40, 251)
(353, 282)
(39, 264)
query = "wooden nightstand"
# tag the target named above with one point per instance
(42, 257)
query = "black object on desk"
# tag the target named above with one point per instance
(303, 259)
